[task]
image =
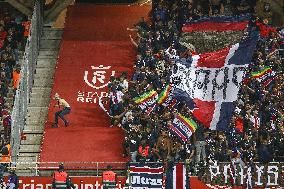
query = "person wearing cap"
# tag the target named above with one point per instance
(66, 109)
(109, 178)
(60, 178)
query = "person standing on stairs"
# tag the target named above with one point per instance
(66, 109)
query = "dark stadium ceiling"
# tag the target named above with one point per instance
(106, 1)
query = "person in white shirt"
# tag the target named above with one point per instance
(66, 109)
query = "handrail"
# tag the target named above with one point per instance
(22, 96)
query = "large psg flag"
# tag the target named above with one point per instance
(212, 80)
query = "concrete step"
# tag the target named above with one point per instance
(36, 111)
(34, 127)
(43, 82)
(36, 120)
(25, 167)
(44, 72)
(25, 131)
(47, 76)
(24, 158)
(36, 117)
(41, 90)
(40, 95)
(48, 28)
(45, 53)
(50, 44)
(46, 63)
(52, 34)
(38, 102)
(30, 149)
(33, 139)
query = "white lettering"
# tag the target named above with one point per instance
(32, 184)
(90, 97)
(39, 186)
(226, 175)
(259, 173)
(26, 186)
(214, 170)
(209, 84)
(97, 185)
(272, 169)
(89, 186)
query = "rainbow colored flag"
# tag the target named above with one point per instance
(145, 97)
(261, 73)
(264, 76)
(183, 127)
(147, 101)
(164, 94)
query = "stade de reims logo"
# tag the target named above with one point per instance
(97, 78)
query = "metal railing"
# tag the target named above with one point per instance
(22, 96)
(37, 168)
(204, 174)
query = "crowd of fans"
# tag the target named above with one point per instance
(256, 131)
(13, 33)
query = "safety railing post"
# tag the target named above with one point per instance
(36, 166)
(97, 168)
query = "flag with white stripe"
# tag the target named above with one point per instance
(212, 80)
(146, 175)
(177, 178)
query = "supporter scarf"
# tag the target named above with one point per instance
(183, 127)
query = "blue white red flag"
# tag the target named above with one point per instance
(218, 23)
(146, 175)
(212, 81)
(177, 178)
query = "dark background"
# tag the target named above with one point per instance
(106, 1)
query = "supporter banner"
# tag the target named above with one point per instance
(212, 81)
(96, 183)
(79, 182)
(217, 23)
(148, 175)
(265, 76)
(177, 177)
(270, 175)
(183, 127)
(147, 101)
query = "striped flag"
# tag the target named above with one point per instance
(147, 101)
(147, 175)
(213, 79)
(164, 94)
(177, 178)
(183, 127)
(265, 76)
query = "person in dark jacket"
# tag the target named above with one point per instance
(13, 180)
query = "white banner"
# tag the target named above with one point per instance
(209, 84)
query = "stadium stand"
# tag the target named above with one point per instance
(150, 114)
(12, 41)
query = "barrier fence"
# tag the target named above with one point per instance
(214, 174)
(22, 96)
